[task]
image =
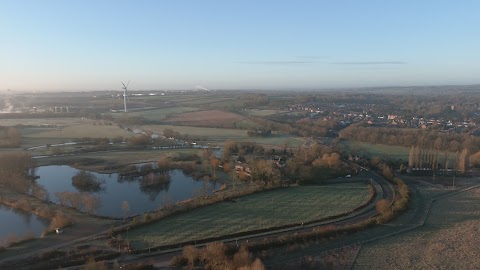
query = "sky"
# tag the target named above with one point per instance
(61, 45)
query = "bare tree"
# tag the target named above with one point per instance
(463, 161)
(91, 203)
(411, 157)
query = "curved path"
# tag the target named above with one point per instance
(384, 190)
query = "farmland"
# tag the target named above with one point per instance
(373, 244)
(388, 152)
(377, 150)
(203, 101)
(212, 118)
(79, 130)
(105, 158)
(156, 114)
(219, 135)
(262, 113)
(448, 240)
(254, 212)
(58, 130)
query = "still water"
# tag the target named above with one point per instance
(116, 189)
(17, 224)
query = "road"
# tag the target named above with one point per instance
(162, 259)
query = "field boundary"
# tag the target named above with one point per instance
(422, 221)
(365, 207)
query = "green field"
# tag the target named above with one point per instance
(253, 212)
(117, 157)
(383, 151)
(262, 113)
(377, 150)
(157, 114)
(204, 101)
(222, 134)
(58, 130)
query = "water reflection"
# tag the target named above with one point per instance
(154, 183)
(142, 192)
(87, 182)
(17, 224)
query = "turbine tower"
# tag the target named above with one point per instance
(125, 95)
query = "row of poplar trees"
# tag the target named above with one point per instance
(432, 159)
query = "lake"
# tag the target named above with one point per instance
(18, 224)
(117, 189)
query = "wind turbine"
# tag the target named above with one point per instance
(125, 95)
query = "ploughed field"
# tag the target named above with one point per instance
(254, 212)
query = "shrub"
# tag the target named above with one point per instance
(382, 206)
(60, 220)
(23, 204)
(147, 217)
(191, 254)
(178, 261)
(44, 211)
(92, 265)
(243, 257)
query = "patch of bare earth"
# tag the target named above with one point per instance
(210, 118)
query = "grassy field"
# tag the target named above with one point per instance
(45, 121)
(212, 118)
(185, 99)
(383, 151)
(204, 101)
(448, 240)
(222, 134)
(206, 116)
(262, 113)
(252, 212)
(117, 157)
(79, 130)
(157, 114)
(378, 150)
(58, 130)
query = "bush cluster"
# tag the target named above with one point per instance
(219, 256)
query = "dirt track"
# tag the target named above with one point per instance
(405, 241)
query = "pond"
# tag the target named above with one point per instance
(116, 189)
(18, 224)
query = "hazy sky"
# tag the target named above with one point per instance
(233, 44)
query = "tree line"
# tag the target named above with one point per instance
(16, 171)
(434, 160)
(407, 137)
